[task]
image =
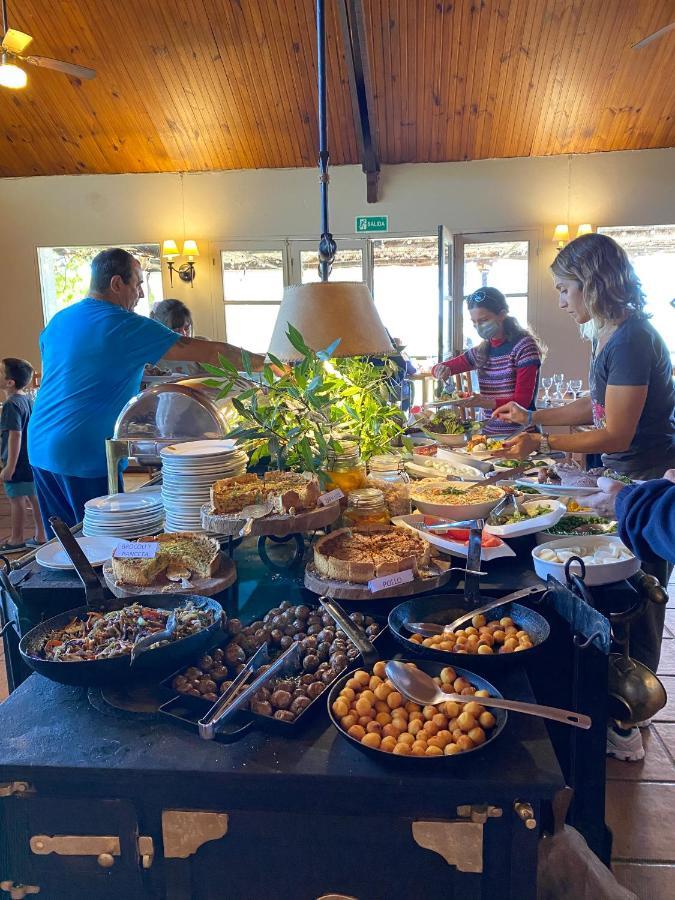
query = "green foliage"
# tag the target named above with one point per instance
(296, 417)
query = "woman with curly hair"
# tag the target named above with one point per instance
(632, 405)
(632, 402)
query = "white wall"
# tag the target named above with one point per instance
(604, 188)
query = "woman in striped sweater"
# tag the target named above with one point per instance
(507, 361)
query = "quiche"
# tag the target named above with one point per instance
(180, 553)
(358, 556)
(287, 490)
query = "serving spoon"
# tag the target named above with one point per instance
(421, 688)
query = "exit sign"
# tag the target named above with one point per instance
(372, 223)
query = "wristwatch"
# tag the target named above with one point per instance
(545, 446)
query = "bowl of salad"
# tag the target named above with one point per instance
(569, 525)
(446, 427)
(531, 517)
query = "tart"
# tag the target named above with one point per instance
(358, 556)
(287, 490)
(183, 552)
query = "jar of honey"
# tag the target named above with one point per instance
(345, 470)
(366, 510)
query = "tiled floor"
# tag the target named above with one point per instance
(640, 796)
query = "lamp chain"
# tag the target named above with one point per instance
(327, 245)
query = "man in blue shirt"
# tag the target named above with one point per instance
(93, 356)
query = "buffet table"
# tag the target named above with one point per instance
(104, 802)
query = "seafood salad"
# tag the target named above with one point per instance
(106, 635)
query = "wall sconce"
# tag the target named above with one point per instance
(561, 236)
(584, 229)
(186, 272)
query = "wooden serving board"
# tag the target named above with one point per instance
(343, 590)
(277, 525)
(208, 587)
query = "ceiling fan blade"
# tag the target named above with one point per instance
(60, 66)
(15, 41)
(653, 36)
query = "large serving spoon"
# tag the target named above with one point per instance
(251, 513)
(421, 688)
(428, 629)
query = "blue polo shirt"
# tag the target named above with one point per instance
(93, 355)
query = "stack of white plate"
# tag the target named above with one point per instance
(124, 515)
(188, 471)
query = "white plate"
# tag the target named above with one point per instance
(196, 449)
(96, 549)
(605, 573)
(557, 490)
(447, 440)
(442, 469)
(452, 547)
(555, 513)
(123, 502)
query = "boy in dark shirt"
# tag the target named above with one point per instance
(16, 473)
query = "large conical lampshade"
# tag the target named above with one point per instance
(328, 310)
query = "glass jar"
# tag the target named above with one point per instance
(366, 510)
(345, 470)
(386, 473)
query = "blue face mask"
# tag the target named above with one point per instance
(488, 330)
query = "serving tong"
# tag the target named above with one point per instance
(428, 629)
(232, 699)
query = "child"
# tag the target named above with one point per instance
(16, 473)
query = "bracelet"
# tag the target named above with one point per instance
(530, 413)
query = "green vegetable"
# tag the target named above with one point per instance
(320, 401)
(446, 421)
(582, 525)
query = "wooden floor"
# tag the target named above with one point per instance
(640, 796)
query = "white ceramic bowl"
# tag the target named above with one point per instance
(603, 573)
(448, 440)
(457, 510)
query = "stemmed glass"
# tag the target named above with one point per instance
(558, 379)
(575, 386)
(546, 384)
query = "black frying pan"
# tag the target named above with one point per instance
(154, 664)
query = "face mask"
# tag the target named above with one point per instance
(488, 331)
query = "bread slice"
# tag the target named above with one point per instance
(186, 550)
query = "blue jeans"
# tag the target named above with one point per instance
(64, 496)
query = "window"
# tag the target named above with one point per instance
(500, 264)
(405, 290)
(348, 265)
(652, 252)
(65, 274)
(253, 287)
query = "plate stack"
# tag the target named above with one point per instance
(124, 515)
(188, 471)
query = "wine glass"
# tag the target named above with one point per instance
(546, 384)
(558, 379)
(575, 386)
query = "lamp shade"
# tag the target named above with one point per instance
(561, 233)
(584, 229)
(169, 248)
(190, 248)
(326, 311)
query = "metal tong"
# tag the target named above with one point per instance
(427, 629)
(232, 700)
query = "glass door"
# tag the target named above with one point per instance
(501, 260)
(350, 262)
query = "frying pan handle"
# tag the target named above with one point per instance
(93, 589)
(356, 635)
(473, 561)
(7, 583)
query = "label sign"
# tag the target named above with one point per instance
(371, 223)
(130, 550)
(390, 581)
(330, 497)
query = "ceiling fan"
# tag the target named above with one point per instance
(653, 36)
(13, 45)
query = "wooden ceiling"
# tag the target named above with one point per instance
(196, 85)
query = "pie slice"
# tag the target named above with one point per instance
(357, 557)
(185, 551)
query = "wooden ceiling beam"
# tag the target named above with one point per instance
(356, 54)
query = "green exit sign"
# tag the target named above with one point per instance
(372, 223)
